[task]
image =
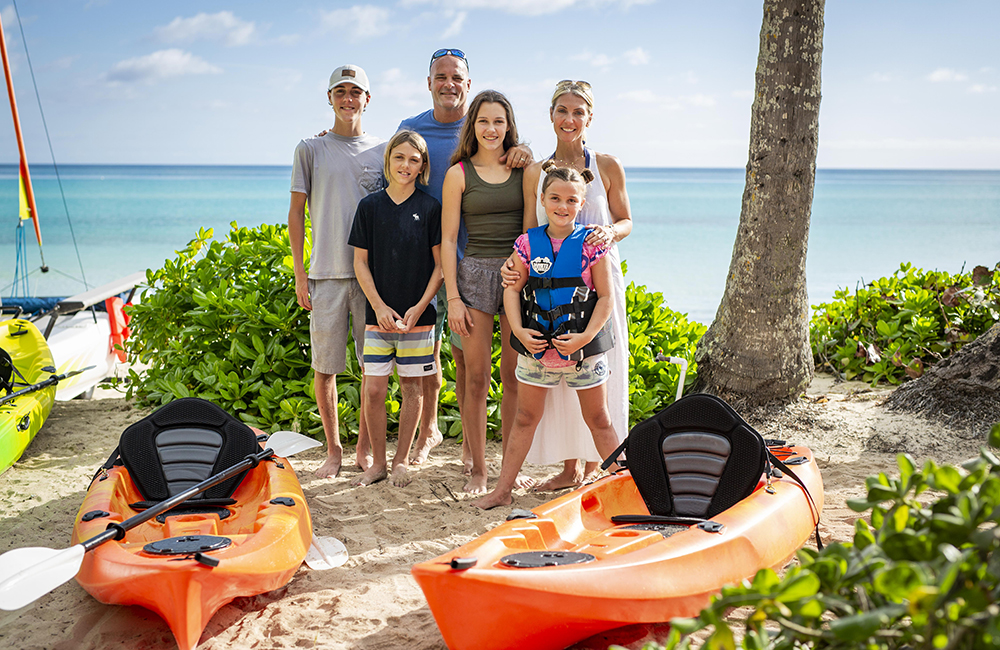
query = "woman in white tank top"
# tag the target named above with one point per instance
(562, 434)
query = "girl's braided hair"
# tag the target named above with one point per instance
(568, 174)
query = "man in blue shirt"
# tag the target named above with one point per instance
(449, 84)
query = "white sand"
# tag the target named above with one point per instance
(372, 602)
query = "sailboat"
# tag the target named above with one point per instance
(84, 340)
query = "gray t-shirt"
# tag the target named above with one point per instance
(335, 172)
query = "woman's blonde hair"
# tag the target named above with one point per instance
(415, 140)
(581, 89)
(568, 174)
(467, 143)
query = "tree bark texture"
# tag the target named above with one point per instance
(966, 384)
(757, 348)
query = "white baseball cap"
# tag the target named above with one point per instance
(351, 74)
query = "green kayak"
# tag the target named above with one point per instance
(22, 416)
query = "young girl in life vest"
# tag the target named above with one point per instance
(558, 312)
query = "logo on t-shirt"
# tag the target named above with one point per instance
(541, 265)
(416, 217)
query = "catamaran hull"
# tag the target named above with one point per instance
(79, 341)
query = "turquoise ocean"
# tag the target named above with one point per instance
(865, 223)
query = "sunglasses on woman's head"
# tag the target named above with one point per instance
(573, 82)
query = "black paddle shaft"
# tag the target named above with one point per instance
(117, 531)
(42, 384)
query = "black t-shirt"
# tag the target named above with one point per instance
(399, 239)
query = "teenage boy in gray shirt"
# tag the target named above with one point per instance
(332, 173)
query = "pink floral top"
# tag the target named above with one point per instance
(591, 255)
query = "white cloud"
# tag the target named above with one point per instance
(700, 100)
(363, 21)
(288, 39)
(159, 65)
(644, 96)
(946, 74)
(648, 97)
(637, 56)
(393, 86)
(223, 27)
(742, 94)
(521, 7)
(596, 60)
(62, 63)
(455, 27)
(879, 77)
(982, 88)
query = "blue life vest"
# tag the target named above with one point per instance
(555, 300)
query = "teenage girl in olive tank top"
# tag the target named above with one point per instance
(481, 190)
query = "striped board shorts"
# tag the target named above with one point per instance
(411, 352)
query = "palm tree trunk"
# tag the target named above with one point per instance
(757, 349)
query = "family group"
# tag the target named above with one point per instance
(452, 220)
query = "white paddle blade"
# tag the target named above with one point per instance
(326, 553)
(27, 574)
(286, 443)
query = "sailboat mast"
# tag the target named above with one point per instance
(25, 176)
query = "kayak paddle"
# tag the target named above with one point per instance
(27, 574)
(55, 379)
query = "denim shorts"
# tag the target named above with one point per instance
(480, 283)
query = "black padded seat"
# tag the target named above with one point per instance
(184, 443)
(695, 458)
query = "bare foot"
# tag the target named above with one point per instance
(424, 445)
(560, 481)
(401, 476)
(373, 474)
(331, 468)
(466, 458)
(492, 500)
(476, 484)
(523, 482)
(364, 461)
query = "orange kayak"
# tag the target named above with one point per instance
(186, 565)
(565, 571)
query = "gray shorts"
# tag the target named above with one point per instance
(480, 283)
(334, 303)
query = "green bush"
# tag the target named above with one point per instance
(894, 327)
(220, 321)
(925, 573)
(656, 332)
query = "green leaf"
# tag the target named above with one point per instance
(803, 585)
(860, 627)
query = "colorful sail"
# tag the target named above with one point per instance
(23, 210)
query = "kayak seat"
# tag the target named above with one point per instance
(6, 372)
(181, 444)
(695, 458)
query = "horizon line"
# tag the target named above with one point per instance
(636, 167)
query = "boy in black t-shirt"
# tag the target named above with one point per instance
(397, 242)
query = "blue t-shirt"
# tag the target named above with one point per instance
(442, 140)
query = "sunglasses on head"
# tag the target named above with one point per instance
(573, 82)
(449, 52)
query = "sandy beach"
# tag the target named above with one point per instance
(372, 602)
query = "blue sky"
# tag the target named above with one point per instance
(906, 84)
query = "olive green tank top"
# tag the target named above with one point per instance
(493, 213)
